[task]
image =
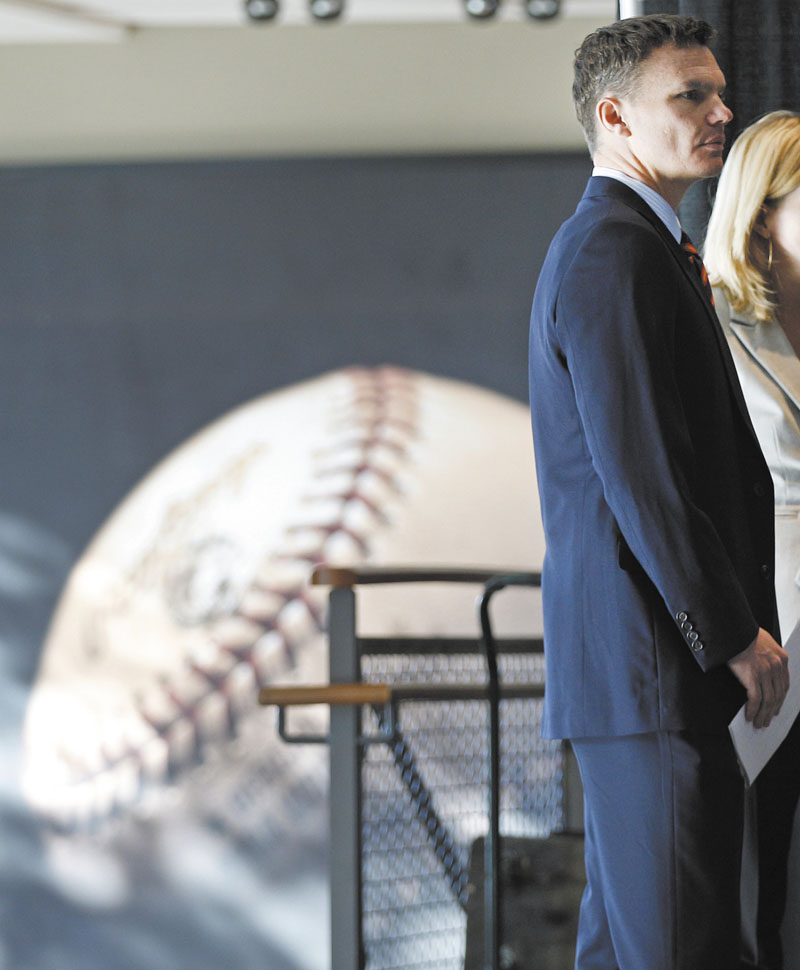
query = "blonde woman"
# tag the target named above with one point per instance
(752, 254)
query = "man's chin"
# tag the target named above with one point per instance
(711, 167)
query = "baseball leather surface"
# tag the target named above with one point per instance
(195, 591)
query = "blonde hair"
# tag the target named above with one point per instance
(763, 166)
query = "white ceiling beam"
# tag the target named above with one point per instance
(75, 11)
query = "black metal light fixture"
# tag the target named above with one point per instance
(481, 9)
(543, 9)
(326, 9)
(261, 9)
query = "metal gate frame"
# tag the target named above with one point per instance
(346, 694)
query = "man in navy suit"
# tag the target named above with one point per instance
(660, 618)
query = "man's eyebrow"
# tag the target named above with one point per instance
(702, 85)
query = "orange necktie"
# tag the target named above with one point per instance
(694, 258)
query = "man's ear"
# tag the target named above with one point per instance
(609, 116)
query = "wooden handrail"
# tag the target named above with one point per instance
(356, 694)
(346, 576)
(333, 694)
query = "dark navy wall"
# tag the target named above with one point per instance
(137, 304)
(140, 302)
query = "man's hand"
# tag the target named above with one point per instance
(763, 669)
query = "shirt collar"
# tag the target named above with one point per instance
(657, 202)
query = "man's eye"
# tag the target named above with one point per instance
(691, 95)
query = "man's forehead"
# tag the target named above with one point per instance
(681, 65)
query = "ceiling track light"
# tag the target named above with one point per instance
(261, 10)
(543, 9)
(326, 9)
(481, 9)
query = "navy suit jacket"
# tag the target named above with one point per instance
(656, 500)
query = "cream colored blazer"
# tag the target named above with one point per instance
(769, 372)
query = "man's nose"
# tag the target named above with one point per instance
(721, 113)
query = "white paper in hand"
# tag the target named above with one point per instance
(755, 746)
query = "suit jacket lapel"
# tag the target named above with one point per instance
(770, 347)
(613, 188)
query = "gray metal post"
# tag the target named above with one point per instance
(345, 789)
(572, 791)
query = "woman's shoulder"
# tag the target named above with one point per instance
(726, 314)
(721, 305)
